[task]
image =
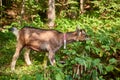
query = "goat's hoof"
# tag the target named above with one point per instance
(29, 64)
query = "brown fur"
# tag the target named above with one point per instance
(45, 40)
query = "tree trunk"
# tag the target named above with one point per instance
(1, 3)
(81, 7)
(51, 13)
(1, 9)
(22, 12)
(1, 15)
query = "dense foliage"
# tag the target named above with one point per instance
(95, 59)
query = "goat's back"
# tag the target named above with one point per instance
(39, 38)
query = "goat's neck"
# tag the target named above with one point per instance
(70, 37)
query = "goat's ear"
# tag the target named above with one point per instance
(79, 33)
(78, 30)
(83, 31)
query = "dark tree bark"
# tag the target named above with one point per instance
(0, 15)
(51, 13)
(1, 3)
(1, 9)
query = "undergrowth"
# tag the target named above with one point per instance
(97, 59)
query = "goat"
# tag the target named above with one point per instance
(43, 40)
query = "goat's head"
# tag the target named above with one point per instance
(81, 35)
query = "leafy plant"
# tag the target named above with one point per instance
(95, 59)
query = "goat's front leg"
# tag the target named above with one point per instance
(51, 57)
(16, 55)
(26, 56)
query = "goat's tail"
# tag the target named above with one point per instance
(14, 30)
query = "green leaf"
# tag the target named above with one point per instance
(39, 77)
(114, 49)
(96, 62)
(68, 77)
(109, 68)
(112, 61)
(101, 53)
(94, 74)
(97, 50)
(106, 47)
(58, 77)
(87, 48)
(100, 68)
(80, 61)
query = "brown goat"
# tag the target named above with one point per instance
(43, 39)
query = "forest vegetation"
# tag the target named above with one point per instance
(96, 59)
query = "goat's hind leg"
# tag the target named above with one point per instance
(19, 47)
(51, 58)
(26, 56)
